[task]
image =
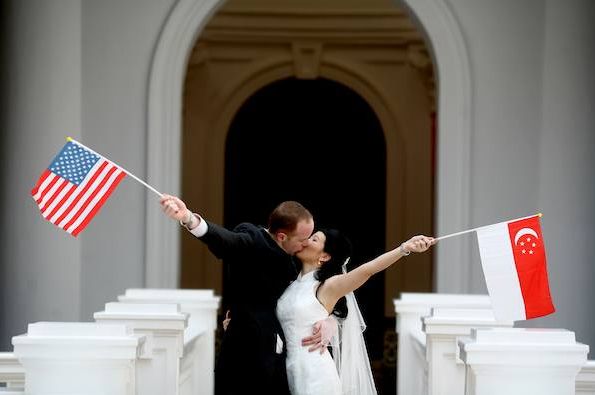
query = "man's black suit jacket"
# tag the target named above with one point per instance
(259, 272)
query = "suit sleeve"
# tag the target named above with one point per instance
(224, 243)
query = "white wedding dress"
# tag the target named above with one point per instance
(308, 373)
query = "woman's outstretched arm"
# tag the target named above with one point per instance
(340, 285)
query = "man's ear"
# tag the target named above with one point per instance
(280, 236)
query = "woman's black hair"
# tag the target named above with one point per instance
(339, 248)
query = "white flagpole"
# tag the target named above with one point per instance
(123, 169)
(474, 229)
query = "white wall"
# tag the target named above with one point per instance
(119, 38)
(567, 164)
(81, 69)
(533, 137)
(39, 266)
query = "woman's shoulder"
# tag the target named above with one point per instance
(330, 283)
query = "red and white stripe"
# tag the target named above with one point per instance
(72, 207)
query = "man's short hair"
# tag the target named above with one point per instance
(286, 216)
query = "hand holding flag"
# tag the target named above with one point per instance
(75, 186)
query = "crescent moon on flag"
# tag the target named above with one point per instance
(524, 231)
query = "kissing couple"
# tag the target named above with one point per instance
(292, 295)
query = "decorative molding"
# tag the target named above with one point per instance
(306, 59)
(268, 11)
(419, 58)
(352, 26)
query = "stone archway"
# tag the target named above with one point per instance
(213, 134)
(221, 78)
(164, 107)
(185, 22)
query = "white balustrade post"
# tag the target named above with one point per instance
(11, 371)
(202, 306)
(78, 358)
(158, 370)
(409, 309)
(521, 361)
(446, 373)
(585, 381)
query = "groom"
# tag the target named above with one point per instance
(252, 355)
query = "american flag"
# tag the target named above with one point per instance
(74, 187)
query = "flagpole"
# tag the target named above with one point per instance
(123, 169)
(474, 229)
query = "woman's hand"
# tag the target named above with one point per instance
(418, 243)
(226, 321)
(174, 208)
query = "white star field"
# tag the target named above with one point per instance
(73, 163)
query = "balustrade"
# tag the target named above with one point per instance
(158, 369)
(12, 374)
(585, 381)
(162, 342)
(198, 366)
(78, 358)
(446, 372)
(520, 361)
(410, 308)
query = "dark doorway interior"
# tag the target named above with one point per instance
(317, 142)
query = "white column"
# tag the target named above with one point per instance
(201, 305)
(78, 358)
(158, 370)
(11, 371)
(585, 381)
(41, 104)
(521, 361)
(446, 373)
(409, 310)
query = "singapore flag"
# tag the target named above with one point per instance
(514, 266)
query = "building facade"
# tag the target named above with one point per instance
(511, 85)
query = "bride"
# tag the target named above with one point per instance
(324, 287)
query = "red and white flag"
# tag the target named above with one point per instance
(514, 266)
(74, 187)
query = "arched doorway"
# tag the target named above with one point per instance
(234, 61)
(164, 131)
(317, 142)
